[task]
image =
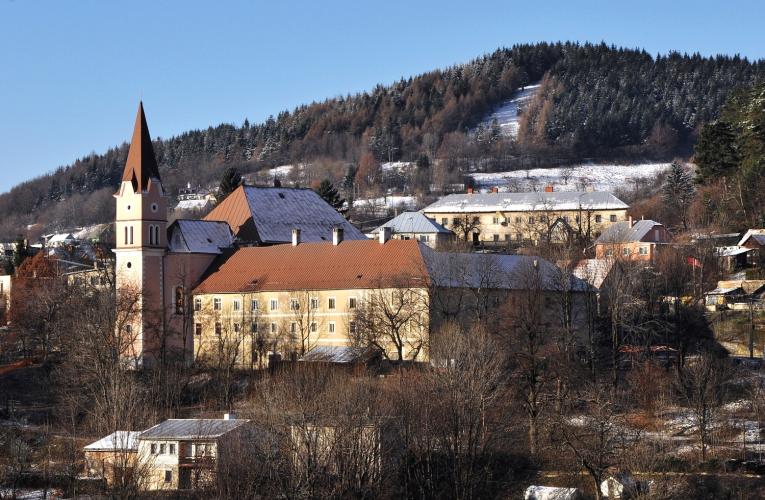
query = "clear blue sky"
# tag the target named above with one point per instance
(72, 71)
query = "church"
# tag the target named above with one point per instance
(273, 273)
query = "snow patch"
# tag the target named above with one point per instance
(570, 178)
(508, 113)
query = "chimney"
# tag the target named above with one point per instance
(337, 235)
(549, 188)
(495, 189)
(229, 416)
(295, 236)
(385, 233)
(470, 190)
(631, 222)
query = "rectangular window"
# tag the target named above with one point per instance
(237, 305)
(424, 238)
(543, 219)
(254, 327)
(352, 327)
(172, 448)
(294, 305)
(314, 327)
(273, 328)
(237, 327)
(576, 218)
(162, 449)
(455, 221)
(153, 448)
(517, 220)
(168, 476)
(643, 250)
(218, 329)
(293, 328)
(612, 218)
(197, 329)
(331, 304)
(496, 237)
(274, 304)
(314, 303)
(444, 221)
(507, 237)
(197, 303)
(352, 303)
(625, 251)
(254, 305)
(331, 327)
(598, 219)
(531, 220)
(476, 220)
(495, 220)
(128, 329)
(609, 252)
(217, 304)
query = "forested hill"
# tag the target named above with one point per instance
(595, 100)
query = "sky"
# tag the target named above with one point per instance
(72, 71)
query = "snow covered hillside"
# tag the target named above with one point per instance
(507, 114)
(572, 178)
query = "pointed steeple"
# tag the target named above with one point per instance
(141, 165)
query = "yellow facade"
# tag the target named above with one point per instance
(248, 329)
(528, 226)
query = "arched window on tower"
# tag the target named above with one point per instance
(126, 235)
(180, 300)
(131, 235)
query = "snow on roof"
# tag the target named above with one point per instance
(270, 214)
(119, 440)
(593, 271)
(199, 236)
(413, 222)
(516, 202)
(725, 291)
(191, 428)
(551, 493)
(731, 251)
(757, 234)
(622, 232)
(495, 271)
(332, 354)
(61, 238)
(193, 204)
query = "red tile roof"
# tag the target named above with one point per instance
(352, 264)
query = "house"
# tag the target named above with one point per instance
(634, 240)
(736, 295)
(181, 454)
(416, 226)
(622, 486)
(733, 258)
(753, 239)
(60, 239)
(522, 217)
(113, 458)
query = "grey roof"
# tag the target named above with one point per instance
(731, 251)
(199, 236)
(332, 354)
(118, 440)
(494, 271)
(513, 202)
(413, 222)
(276, 211)
(622, 232)
(192, 428)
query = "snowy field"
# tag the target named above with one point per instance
(573, 178)
(507, 114)
(380, 206)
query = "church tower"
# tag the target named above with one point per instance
(140, 231)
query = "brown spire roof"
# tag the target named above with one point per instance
(141, 164)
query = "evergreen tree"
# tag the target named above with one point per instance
(231, 180)
(715, 153)
(678, 191)
(329, 194)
